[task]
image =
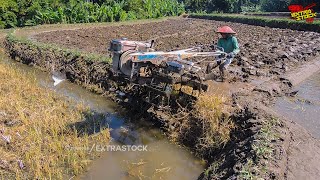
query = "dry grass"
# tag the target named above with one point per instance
(36, 128)
(216, 127)
(206, 127)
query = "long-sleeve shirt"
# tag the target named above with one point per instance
(229, 44)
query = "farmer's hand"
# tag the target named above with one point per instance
(222, 55)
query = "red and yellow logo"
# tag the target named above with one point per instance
(299, 12)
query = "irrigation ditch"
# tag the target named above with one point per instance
(238, 135)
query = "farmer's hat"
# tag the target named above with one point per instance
(225, 30)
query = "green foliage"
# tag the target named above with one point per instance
(250, 8)
(275, 5)
(8, 17)
(2, 25)
(214, 5)
(236, 6)
(33, 12)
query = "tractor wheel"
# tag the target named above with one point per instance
(125, 63)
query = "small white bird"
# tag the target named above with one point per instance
(58, 78)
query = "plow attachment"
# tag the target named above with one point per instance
(158, 72)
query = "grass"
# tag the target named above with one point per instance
(255, 167)
(262, 148)
(263, 21)
(266, 13)
(247, 171)
(36, 127)
(204, 128)
(216, 127)
(213, 167)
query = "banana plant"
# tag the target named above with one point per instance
(9, 19)
(123, 15)
(102, 13)
(2, 25)
(110, 14)
(62, 15)
(34, 12)
(116, 9)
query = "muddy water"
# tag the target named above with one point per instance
(305, 107)
(162, 160)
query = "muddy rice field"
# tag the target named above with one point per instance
(265, 52)
(262, 71)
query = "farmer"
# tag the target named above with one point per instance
(229, 43)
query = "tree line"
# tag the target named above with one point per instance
(20, 13)
(33, 12)
(236, 6)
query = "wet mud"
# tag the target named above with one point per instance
(267, 55)
(265, 52)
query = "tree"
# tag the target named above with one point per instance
(213, 5)
(275, 5)
(8, 10)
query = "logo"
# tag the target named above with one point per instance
(299, 12)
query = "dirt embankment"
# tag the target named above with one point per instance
(267, 54)
(79, 68)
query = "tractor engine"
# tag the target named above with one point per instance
(121, 48)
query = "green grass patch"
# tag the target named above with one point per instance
(263, 149)
(262, 21)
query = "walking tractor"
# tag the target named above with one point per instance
(158, 71)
